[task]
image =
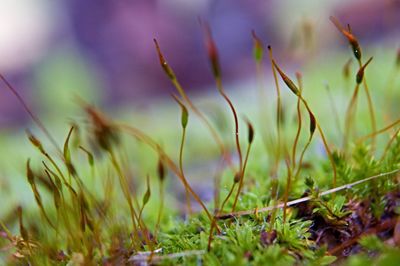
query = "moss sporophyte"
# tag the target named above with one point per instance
(108, 193)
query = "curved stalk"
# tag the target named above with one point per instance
(181, 169)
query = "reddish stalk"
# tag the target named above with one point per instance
(35, 119)
(216, 69)
(172, 77)
(357, 53)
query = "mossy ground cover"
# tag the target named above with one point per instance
(301, 174)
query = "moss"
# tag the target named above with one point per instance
(298, 196)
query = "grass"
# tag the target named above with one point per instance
(105, 193)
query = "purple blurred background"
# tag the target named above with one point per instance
(103, 49)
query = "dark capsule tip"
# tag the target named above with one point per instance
(236, 178)
(160, 170)
(313, 123)
(250, 136)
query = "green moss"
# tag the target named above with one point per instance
(100, 198)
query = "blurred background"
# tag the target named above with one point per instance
(102, 50)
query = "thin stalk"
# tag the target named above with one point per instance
(302, 157)
(159, 216)
(274, 189)
(217, 185)
(214, 222)
(241, 177)
(172, 77)
(223, 94)
(389, 144)
(201, 116)
(216, 70)
(380, 131)
(4, 227)
(160, 211)
(181, 169)
(287, 189)
(278, 111)
(228, 196)
(313, 122)
(124, 188)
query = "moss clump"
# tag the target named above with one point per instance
(298, 200)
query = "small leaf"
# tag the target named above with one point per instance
(56, 193)
(22, 230)
(29, 173)
(90, 156)
(55, 176)
(147, 195)
(66, 152)
(309, 182)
